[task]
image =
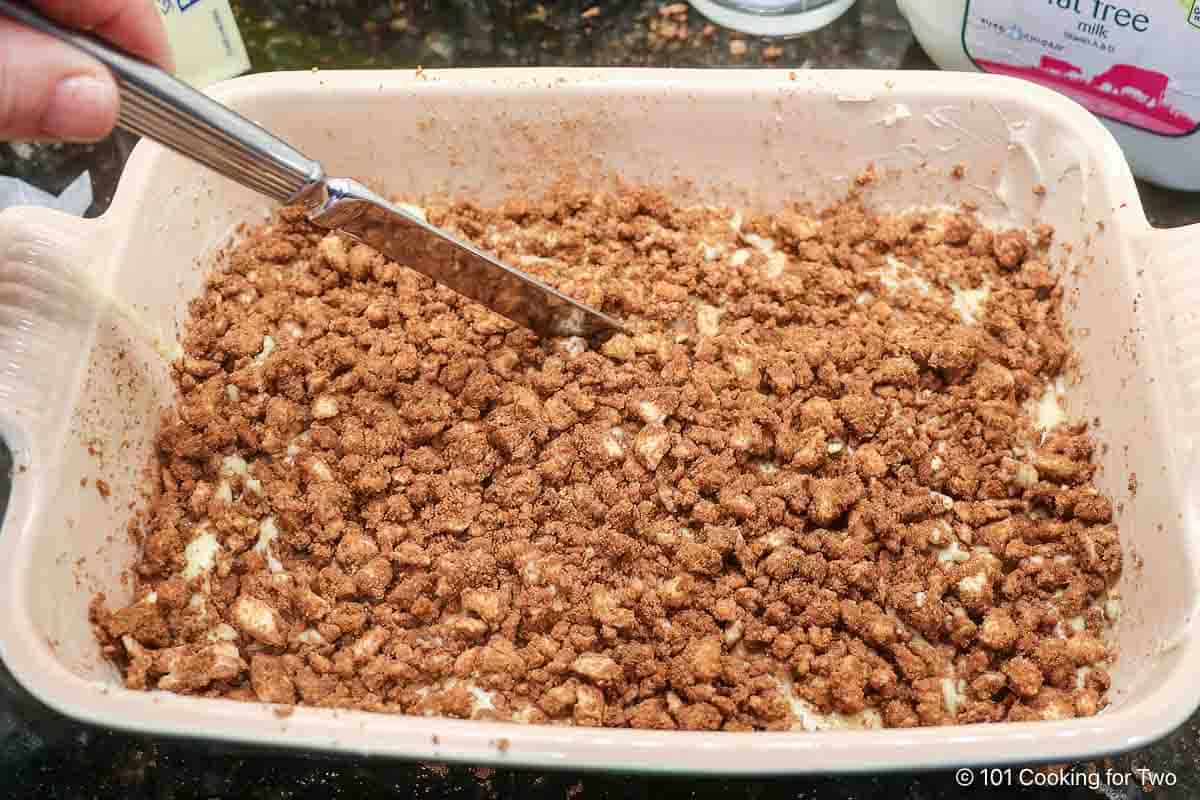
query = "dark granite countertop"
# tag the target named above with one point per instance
(46, 755)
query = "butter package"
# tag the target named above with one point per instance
(205, 40)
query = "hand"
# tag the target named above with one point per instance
(50, 91)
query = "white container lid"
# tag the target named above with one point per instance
(773, 18)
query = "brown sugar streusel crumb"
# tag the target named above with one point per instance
(807, 491)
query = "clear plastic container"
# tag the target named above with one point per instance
(1133, 67)
(773, 17)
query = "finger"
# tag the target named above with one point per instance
(49, 90)
(132, 25)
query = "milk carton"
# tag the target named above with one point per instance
(1134, 63)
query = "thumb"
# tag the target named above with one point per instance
(49, 90)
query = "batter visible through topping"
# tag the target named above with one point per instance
(808, 492)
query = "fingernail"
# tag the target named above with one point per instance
(82, 108)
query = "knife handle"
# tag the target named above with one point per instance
(158, 106)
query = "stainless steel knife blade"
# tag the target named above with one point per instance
(352, 208)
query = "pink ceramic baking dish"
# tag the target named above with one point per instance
(81, 387)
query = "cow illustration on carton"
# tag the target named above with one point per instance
(1146, 85)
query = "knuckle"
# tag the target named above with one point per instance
(11, 122)
(22, 94)
(8, 100)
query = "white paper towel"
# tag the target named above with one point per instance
(75, 199)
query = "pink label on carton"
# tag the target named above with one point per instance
(1139, 65)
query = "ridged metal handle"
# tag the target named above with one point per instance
(162, 108)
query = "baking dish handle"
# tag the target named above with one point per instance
(1170, 262)
(47, 301)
